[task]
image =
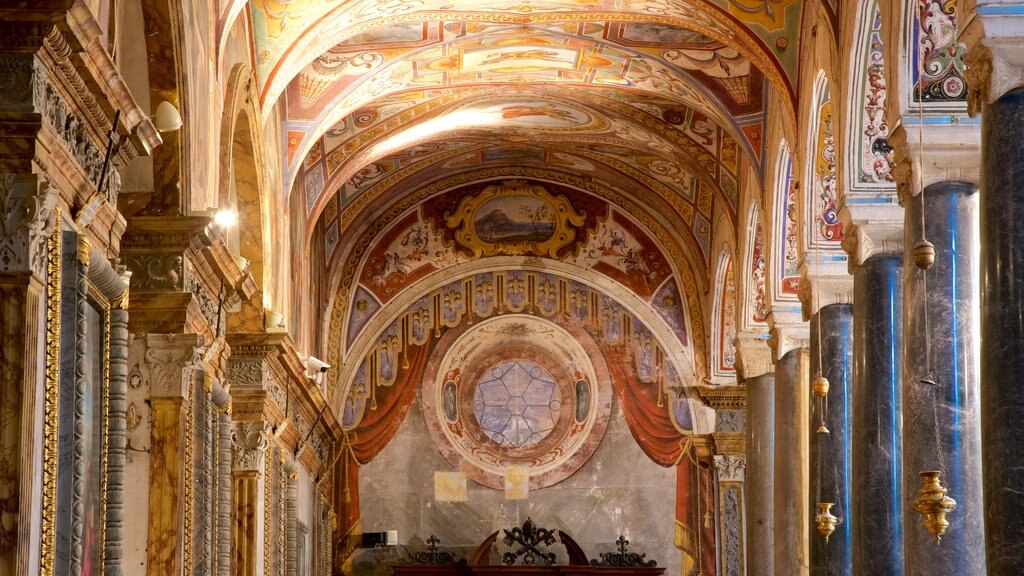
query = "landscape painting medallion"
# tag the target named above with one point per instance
(514, 219)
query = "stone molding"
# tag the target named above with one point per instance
(871, 229)
(949, 152)
(753, 355)
(249, 443)
(730, 468)
(995, 56)
(723, 397)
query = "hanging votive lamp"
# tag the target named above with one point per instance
(924, 254)
(820, 386)
(933, 504)
(825, 521)
(822, 429)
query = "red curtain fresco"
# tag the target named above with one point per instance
(373, 433)
(652, 428)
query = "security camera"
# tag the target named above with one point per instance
(317, 364)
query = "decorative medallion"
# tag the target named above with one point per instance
(516, 392)
(515, 218)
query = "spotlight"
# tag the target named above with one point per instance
(167, 118)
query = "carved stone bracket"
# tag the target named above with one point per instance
(951, 152)
(995, 57)
(824, 281)
(753, 355)
(28, 217)
(871, 229)
(249, 442)
(788, 337)
(730, 468)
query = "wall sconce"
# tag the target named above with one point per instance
(167, 118)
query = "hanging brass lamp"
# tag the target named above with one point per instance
(820, 386)
(933, 504)
(825, 521)
(924, 254)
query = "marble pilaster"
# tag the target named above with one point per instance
(1002, 334)
(731, 473)
(942, 418)
(249, 445)
(760, 467)
(877, 500)
(791, 457)
(831, 355)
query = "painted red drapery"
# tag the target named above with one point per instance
(364, 442)
(652, 428)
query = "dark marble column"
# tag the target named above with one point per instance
(942, 420)
(832, 353)
(790, 480)
(759, 474)
(1002, 332)
(877, 500)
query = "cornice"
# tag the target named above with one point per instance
(724, 397)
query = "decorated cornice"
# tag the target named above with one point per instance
(723, 397)
(950, 152)
(871, 229)
(753, 355)
(995, 58)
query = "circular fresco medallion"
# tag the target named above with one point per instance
(517, 392)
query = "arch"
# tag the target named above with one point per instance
(784, 253)
(242, 187)
(867, 164)
(723, 322)
(756, 305)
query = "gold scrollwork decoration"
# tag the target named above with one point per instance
(51, 400)
(84, 250)
(515, 218)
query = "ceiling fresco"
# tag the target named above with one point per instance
(290, 34)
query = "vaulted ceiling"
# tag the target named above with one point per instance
(652, 113)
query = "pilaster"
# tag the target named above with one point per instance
(249, 442)
(731, 476)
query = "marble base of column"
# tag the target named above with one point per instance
(760, 474)
(1002, 332)
(876, 445)
(790, 502)
(942, 417)
(832, 357)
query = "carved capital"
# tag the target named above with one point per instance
(824, 280)
(171, 360)
(995, 50)
(249, 442)
(753, 355)
(788, 337)
(871, 229)
(28, 218)
(730, 468)
(950, 152)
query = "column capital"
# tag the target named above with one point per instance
(730, 468)
(249, 442)
(995, 49)
(171, 360)
(27, 202)
(753, 355)
(950, 151)
(824, 280)
(786, 337)
(871, 229)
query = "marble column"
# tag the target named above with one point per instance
(1002, 332)
(832, 356)
(877, 500)
(790, 479)
(942, 418)
(760, 467)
